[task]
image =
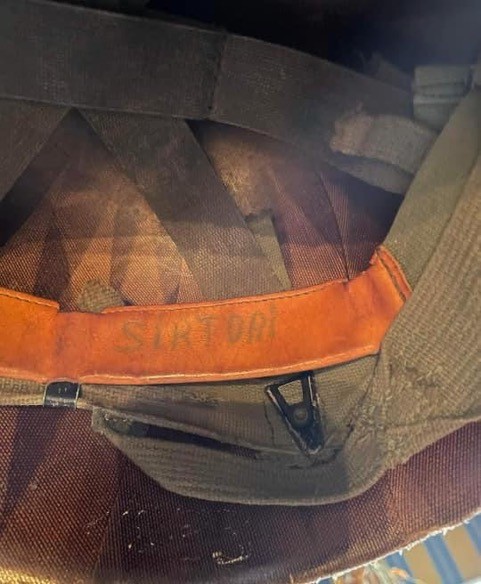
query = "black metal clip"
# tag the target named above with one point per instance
(61, 394)
(302, 418)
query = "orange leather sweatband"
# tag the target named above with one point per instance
(212, 341)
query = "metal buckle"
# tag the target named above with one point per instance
(302, 418)
(61, 394)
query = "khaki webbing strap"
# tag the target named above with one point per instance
(233, 339)
(438, 90)
(166, 162)
(443, 80)
(297, 98)
(434, 193)
(24, 128)
(96, 297)
(400, 142)
(262, 226)
(173, 70)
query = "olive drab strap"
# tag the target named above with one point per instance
(25, 128)
(263, 228)
(214, 76)
(397, 141)
(201, 218)
(434, 193)
(438, 90)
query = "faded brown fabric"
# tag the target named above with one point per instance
(58, 485)
(117, 524)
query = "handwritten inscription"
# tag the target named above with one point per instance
(205, 330)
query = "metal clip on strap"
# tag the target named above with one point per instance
(61, 394)
(302, 418)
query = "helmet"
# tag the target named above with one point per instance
(240, 283)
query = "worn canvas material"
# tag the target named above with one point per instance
(410, 397)
(104, 209)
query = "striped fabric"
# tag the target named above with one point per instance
(452, 558)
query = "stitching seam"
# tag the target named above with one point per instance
(320, 361)
(37, 301)
(396, 275)
(278, 298)
(177, 308)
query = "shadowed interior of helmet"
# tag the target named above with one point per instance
(72, 508)
(74, 216)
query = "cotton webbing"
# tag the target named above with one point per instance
(138, 60)
(417, 396)
(316, 208)
(265, 88)
(438, 90)
(17, 392)
(163, 158)
(397, 141)
(434, 193)
(430, 357)
(220, 411)
(24, 127)
(263, 228)
(96, 297)
(297, 98)
(74, 216)
(448, 80)
(276, 472)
